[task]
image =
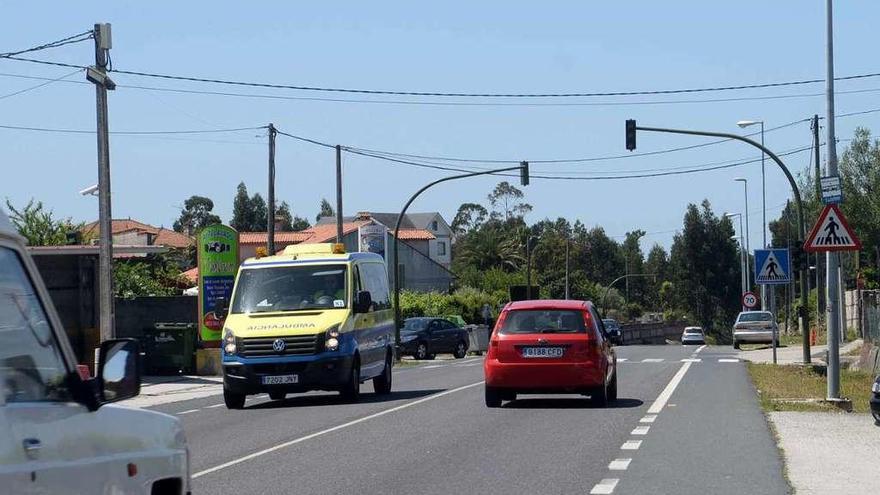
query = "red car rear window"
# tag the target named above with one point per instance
(543, 321)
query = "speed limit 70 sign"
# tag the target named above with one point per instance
(749, 300)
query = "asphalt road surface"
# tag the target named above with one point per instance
(687, 422)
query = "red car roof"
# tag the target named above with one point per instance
(548, 304)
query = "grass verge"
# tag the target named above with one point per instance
(806, 382)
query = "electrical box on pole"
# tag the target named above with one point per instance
(630, 134)
(524, 173)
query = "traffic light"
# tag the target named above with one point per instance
(630, 134)
(524, 173)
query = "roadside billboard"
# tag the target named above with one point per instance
(372, 238)
(217, 249)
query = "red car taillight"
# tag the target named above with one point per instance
(493, 339)
(591, 342)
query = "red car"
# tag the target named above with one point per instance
(550, 347)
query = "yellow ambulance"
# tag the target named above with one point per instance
(311, 318)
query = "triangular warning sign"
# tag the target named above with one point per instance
(772, 271)
(832, 233)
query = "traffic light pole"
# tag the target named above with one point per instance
(804, 311)
(523, 167)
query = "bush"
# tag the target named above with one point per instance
(467, 302)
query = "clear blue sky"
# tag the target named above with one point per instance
(447, 46)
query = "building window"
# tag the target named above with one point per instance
(434, 226)
(441, 248)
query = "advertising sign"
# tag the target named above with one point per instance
(217, 248)
(371, 238)
(832, 192)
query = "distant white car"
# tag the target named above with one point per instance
(754, 327)
(56, 433)
(693, 335)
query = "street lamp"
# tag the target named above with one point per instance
(746, 215)
(743, 124)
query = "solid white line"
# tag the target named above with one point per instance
(622, 360)
(631, 445)
(652, 360)
(187, 412)
(605, 486)
(284, 445)
(691, 360)
(648, 419)
(660, 403)
(433, 366)
(215, 405)
(619, 464)
(728, 360)
(641, 430)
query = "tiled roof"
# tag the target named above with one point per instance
(192, 275)
(262, 237)
(327, 232)
(170, 238)
(122, 225)
(416, 235)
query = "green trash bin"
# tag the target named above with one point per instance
(170, 348)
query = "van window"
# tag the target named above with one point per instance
(375, 280)
(31, 365)
(544, 321)
(290, 288)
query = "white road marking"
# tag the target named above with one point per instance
(631, 445)
(652, 360)
(658, 404)
(691, 360)
(284, 445)
(622, 360)
(467, 365)
(605, 486)
(215, 405)
(699, 349)
(648, 419)
(619, 464)
(728, 360)
(641, 430)
(433, 366)
(190, 411)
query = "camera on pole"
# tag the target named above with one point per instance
(630, 134)
(524, 173)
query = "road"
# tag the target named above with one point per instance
(687, 422)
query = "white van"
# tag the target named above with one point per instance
(56, 433)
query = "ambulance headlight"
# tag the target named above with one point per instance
(228, 341)
(331, 341)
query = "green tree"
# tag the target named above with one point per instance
(634, 263)
(36, 224)
(470, 216)
(506, 202)
(248, 212)
(860, 174)
(290, 222)
(155, 275)
(196, 214)
(325, 210)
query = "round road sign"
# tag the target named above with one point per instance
(749, 300)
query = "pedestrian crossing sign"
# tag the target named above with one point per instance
(772, 266)
(832, 233)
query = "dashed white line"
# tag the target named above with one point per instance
(433, 366)
(648, 419)
(728, 360)
(605, 486)
(288, 443)
(619, 464)
(658, 404)
(622, 360)
(190, 411)
(652, 360)
(215, 405)
(691, 360)
(631, 445)
(641, 430)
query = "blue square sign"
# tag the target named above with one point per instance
(772, 266)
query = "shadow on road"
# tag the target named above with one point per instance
(331, 398)
(543, 403)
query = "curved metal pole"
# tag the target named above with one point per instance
(805, 315)
(618, 279)
(396, 268)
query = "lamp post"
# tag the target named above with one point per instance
(748, 244)
(618, 279)
(765, 304)
(742, 250)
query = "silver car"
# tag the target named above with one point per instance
(754, 327)
(693, 335)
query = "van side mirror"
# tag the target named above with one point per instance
(364, 302)
(119, 370)
(221, 308)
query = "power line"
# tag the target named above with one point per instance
(229, 82)
(46, 83)
(76, 38)
(129, 133)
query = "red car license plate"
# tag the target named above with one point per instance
(542, 352)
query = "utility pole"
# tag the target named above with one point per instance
(270, 221)
(97, 74)
(567, 248)
(820, 287)
(831, 259)
(339, 196)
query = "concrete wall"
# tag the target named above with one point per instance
(652, 333)
(135, 315)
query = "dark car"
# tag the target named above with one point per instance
(875, 400)
(615, 335)
(424, 338)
